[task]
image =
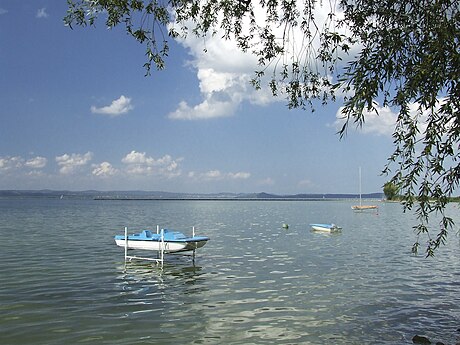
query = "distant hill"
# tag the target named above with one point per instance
(159, 195)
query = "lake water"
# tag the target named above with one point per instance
(64, 281)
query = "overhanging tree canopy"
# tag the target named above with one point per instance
(404, 54)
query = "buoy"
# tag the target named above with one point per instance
(285, 226)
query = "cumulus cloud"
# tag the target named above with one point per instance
(138, 163)
(120, 106)
(382, 123)
(212, 174)
(239, 175)
(70, 163)
(35, 174)
(104, 169)
(10, 163)
(224, 71)
(41, 13)
(36, 162)
(14, 163)
(137, 158)
(209, 108)
(224, 74)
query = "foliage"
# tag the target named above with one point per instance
(407, 58)
(390, 190)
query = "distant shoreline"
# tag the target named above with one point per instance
(168, 196)
(225, 199)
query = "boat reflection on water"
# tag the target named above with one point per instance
(176, 266)
(175, 291)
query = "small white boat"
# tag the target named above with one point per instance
(326, 227)
(167, 241)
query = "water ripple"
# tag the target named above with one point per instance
(253, 283)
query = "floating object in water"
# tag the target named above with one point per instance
(362, 207)
(164, 241)
(169, 241)
(326, 227)
(285, 226)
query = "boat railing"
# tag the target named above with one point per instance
(161, 253)
(158, 260)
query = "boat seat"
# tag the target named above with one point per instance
(147, 234)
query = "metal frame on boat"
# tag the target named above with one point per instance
(164, 241)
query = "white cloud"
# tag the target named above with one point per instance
(36, 162)
(104, 169)
(10, 163)
(382, 123)
(239, 175)
(41, 13)
(15, 163)
(208, 109)
(135, 157)
(35, 174)
(224, 74)
(212, 175)
(224, 71)
(70, 163)
(118, 107)
(138, 163)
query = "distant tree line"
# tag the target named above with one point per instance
(391, 192)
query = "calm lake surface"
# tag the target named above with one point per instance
(64, 281)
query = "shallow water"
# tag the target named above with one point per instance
(64, 281)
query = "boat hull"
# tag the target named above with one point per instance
(364, 207)
(325, 227)
(166, 246)
(168, 241)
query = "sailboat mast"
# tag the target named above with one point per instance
(361, 207)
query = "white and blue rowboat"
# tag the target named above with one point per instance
(168, 241)
(326, 227)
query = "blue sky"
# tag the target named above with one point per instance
(78, 113)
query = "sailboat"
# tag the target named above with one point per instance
(362, 207)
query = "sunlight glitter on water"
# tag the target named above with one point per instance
(64, 280)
